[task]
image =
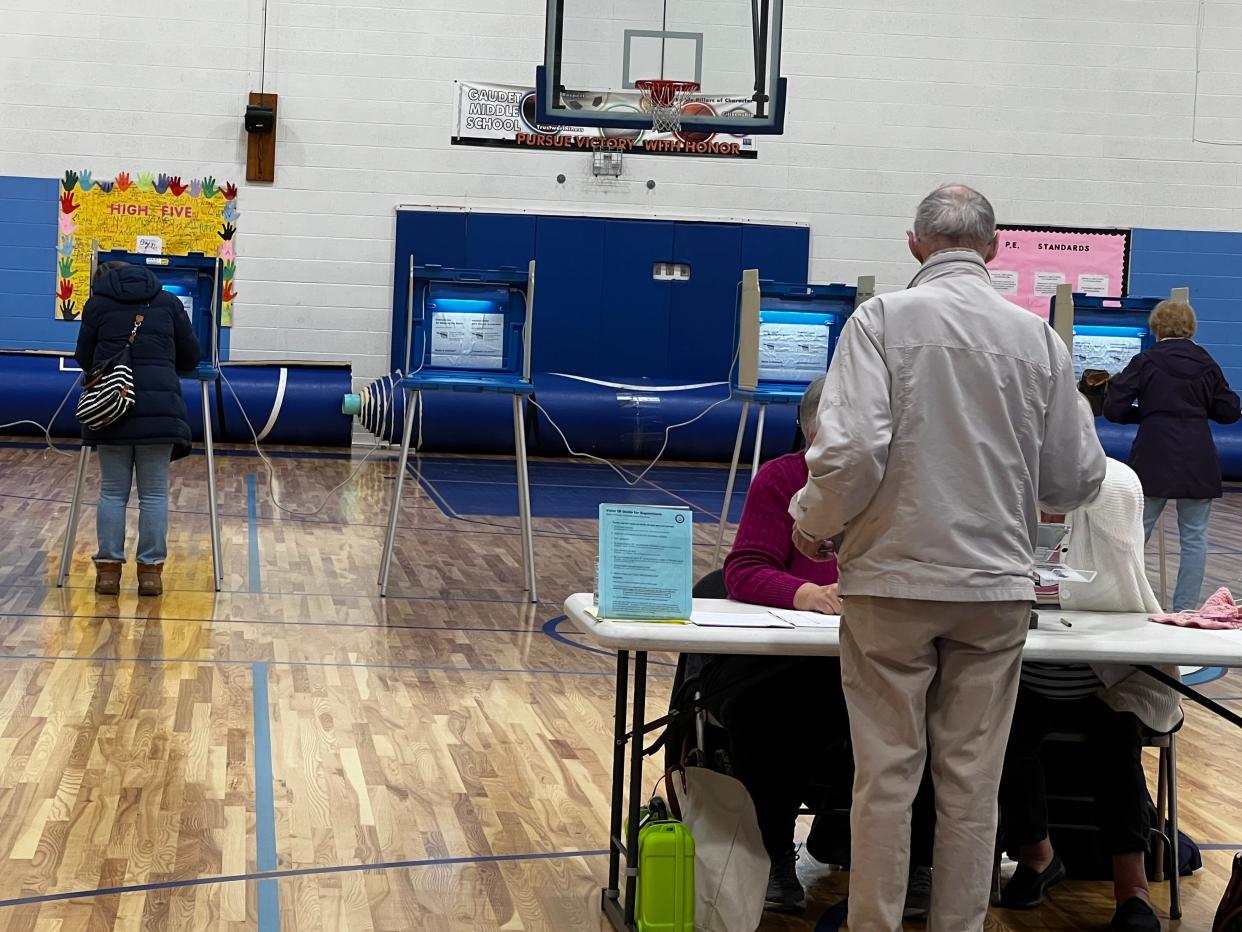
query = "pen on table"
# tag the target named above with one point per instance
(1066, 623)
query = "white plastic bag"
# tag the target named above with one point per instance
(730, 864)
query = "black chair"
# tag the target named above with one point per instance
(1165, 831)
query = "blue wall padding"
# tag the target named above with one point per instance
(598, 308)
(32, 385)
(28, 234)
(1117, 439)
(28, 211)
(1210, 265)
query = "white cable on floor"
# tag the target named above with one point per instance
(47, 431)
(667, 432)
(271, 472)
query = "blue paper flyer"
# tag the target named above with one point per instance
(646, 562)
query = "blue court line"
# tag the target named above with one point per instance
(264, 799)
(551, 629)
(1236, 847)
(275, 876)
(1206, 675)
(252, 533)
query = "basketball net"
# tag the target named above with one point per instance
(666, 100)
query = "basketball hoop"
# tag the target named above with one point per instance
(665, 100)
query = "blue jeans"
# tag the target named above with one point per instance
(1192, 525)
(118, 465)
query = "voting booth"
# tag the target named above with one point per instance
(784, 339)
(467, 330)
(196, 281)
(1106, 332)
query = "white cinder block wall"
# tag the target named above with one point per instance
(1064, 112)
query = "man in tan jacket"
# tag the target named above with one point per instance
(948, 418)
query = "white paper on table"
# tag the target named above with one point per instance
(739, 620)
(807, 619)
(1054, 575)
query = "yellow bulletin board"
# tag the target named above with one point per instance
(155, 214)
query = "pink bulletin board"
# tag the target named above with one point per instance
(1032, 261)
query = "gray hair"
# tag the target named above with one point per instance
(957, 214)
(808, 408)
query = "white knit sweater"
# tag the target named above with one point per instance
(1107, 536)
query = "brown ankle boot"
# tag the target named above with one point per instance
(107, 578)
(150, 581)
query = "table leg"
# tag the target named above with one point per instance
(71, 529)
(1175, 893)
(728, 498)
(636, 786)
(613, 890)
(395, 508)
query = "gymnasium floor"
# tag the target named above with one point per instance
(435, 761)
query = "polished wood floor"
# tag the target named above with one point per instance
(435, 761)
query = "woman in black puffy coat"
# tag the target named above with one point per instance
(143, 443)
(1179, 389)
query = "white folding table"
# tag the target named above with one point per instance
(1090, 637)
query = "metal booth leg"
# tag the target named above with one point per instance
(71, 528)
(1163, 547)
(523, 478)
(213, 508)
(391, 539)
(728, 499)
(763, 410)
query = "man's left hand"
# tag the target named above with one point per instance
(819, 549)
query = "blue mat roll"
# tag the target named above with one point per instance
(308, 413)
(627, 418)
(1118, 438)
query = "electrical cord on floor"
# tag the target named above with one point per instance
(271, 472)
(625, 474)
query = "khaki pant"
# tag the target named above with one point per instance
(928, 677)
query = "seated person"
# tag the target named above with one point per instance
(782, 727)
(1116, 706)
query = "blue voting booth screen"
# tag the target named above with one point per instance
(1109, 332)
(794, 348)
(468, 321)
(799, 326)
(1108, 348)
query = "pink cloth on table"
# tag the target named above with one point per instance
(1219, 613)
(764, 567)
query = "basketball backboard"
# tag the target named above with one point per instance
(599, 51)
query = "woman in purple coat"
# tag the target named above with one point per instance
(1179, 389)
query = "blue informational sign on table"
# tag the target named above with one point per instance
(646, 563)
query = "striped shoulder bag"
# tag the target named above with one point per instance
(108, 388)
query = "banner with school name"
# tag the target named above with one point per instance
(503, 116)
